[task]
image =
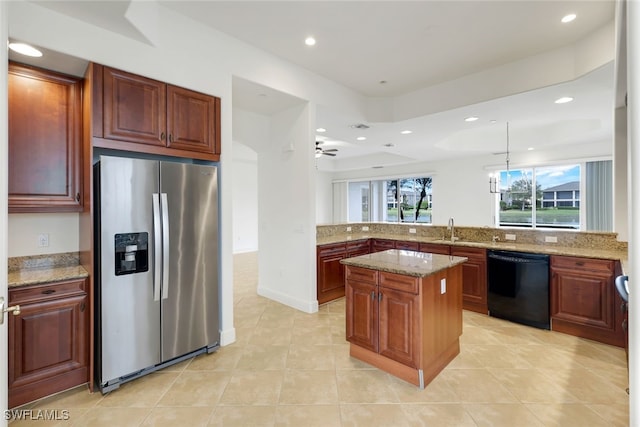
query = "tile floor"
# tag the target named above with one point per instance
(289, 368)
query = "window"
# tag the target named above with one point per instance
(540, 197)
(391, 200)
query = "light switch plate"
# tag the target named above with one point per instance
(550, 239)
(43, 240)
(348, 229)
(443, 286)
(509, 237)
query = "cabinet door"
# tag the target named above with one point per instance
(134, 108)
(48, 348)
(399, 334)
(584, 303)
(44, 141)
(474, 278)
(191, 120)
(330, 276)
(362, 314)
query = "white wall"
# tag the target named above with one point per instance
(24, 229)
(287, 207)
(324, 195)
(461, 187)
(245, 199)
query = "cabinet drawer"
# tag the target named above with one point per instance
(399, 282)
(362, 274)
(45, 292)
(578, 263)
(435, 248)
(478, 254)
(407, 246)
(361, 247)
(331, 249)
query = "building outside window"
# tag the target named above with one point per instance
(546, 197)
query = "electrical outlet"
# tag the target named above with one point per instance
(509, 237)
(348, 229)
(365, 228)
(43, 240)
(412, 231)
(443, 285)
(550, 239)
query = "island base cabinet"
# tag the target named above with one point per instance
(406, 326)
(48, 340)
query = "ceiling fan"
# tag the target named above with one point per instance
(320, 151)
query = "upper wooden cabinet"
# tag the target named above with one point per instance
(45, 114)
(157, 117)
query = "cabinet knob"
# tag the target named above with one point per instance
(170, 138)
(48, 291)
(162, 136)
(82, 306)
(373, 295)
(77, 197)
(580, 263)
(379, 296)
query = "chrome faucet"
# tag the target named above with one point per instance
(450, 227)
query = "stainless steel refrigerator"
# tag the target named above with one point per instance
(156, 238)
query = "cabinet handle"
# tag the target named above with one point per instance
(373, 295)
(162, 136)
(82, 305)
(48, 291)
(579, 263)
(379, 296)
(624, 325)
(623, 307)
(77, 197)
(170, 138)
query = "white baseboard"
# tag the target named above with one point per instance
(227, 336)
(299, 304)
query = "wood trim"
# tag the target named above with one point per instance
(150, 149)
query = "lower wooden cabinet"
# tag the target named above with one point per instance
(474, 278)
(330, 273)
(48, 340)
(435, 248)
(382, 318)
(584, 301)
(379, 245)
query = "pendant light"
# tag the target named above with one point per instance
(493, 178)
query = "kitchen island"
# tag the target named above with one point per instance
(404, 311)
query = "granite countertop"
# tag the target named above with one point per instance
(33, 270)
(408, 263)
(550, 249)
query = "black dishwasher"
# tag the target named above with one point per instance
(519, 287)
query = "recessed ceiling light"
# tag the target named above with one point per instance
(563, 100)
(25, 49)
(310, 41)
(406, 132)
(383, 82)
(530, 149)
(471, 119)
(361, 138)
(321, 130)
(493, 122)
(568, 18)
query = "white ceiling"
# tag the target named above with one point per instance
(410, 45)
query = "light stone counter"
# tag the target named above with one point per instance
(24, 271)
(408, 263)
(602, 252)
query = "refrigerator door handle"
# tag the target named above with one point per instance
(157, 246)
(165, 245)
